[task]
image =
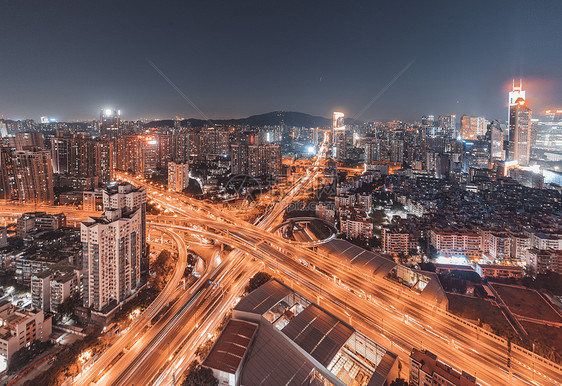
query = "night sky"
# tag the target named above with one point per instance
(68, 59)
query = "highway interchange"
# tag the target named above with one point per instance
(387, 312)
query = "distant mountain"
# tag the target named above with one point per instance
(289, 118)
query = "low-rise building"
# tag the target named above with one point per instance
(20, 327)
(456, 243)
(53, 286)
(395, 240)
(540, 260)
(39, 221)
(356, 227)
(500, 271)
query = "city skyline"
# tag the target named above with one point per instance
(233, 61)
(290, 193)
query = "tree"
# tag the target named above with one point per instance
(257, 281)
(67, 307)
(25, 355)
(399, 382)
(199, 376)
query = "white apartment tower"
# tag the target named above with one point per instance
(113, 247)
(111, 257)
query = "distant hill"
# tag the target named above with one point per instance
(289, 118)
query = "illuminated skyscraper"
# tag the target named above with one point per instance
(519, 126)
(472, 127)
(110, 122)
(339, 148)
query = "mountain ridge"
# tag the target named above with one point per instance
(274, 118)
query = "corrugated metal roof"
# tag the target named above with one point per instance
(262, 299)
(319, 333)
(275, 360)
(230, 347)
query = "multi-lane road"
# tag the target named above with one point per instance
(387, 312)
(136, 328)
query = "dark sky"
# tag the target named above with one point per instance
(68, 59)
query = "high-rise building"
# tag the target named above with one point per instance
(449, 125)
(397, 151)
(114, 247)
(339, 149)
(79, 156)
(372, 151)
(213, 142)
(496, 142)
(111, 258)
(129, 199)
(110, 122)
(256, 160)
(549, 130)
(8, 181)
(519, 126)
(178, 176)
(64, 153)
(33, 176)
(23, 141)
(3, 129)
(472, 127)
(104, 162)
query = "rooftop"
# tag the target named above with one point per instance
(230, 348)
(264, 298)
(318, 333)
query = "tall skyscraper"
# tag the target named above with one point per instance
(339, 149)
(110, 122)
(519, 126)
(496, 142)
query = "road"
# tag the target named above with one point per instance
(136, 327)
(401, 321)
(390, 314)
(146, 354)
